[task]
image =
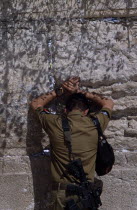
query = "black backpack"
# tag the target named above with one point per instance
(105, 154)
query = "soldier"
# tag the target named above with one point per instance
(84, 136)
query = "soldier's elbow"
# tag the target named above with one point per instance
(33, 104)
(109, 103)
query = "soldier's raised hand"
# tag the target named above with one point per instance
(71, 85)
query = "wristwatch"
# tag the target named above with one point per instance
(59, 91)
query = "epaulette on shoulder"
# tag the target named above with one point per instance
(105, 113)
(45, 111)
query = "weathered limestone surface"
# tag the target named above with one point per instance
(41, 39)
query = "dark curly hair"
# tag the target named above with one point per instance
(77, 101)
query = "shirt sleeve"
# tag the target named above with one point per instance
(43, 116)
(104, 117)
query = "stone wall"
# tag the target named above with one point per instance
(43, 42)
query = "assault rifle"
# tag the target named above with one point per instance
(88, 193)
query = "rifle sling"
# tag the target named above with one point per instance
(67, 134)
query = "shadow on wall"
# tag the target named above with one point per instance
(40, 165)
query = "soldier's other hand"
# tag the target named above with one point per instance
(84, 92)
(71, 85)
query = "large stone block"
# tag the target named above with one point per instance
(118, 190)
(1, 166)
(121, 142)
(71, 8)
(10, 152)
(120, 159)
(16, 165)
(125, 158)
(15, 193)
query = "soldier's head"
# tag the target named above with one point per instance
(77, 101)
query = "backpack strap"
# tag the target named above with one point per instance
(97, 124)
(67, 135)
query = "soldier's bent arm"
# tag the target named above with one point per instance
(42, 100)
(107, 105)
(100, 100)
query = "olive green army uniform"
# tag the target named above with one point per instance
(84, 137)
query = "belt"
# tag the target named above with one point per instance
(59, 186)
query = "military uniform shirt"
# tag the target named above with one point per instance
(84, 137)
